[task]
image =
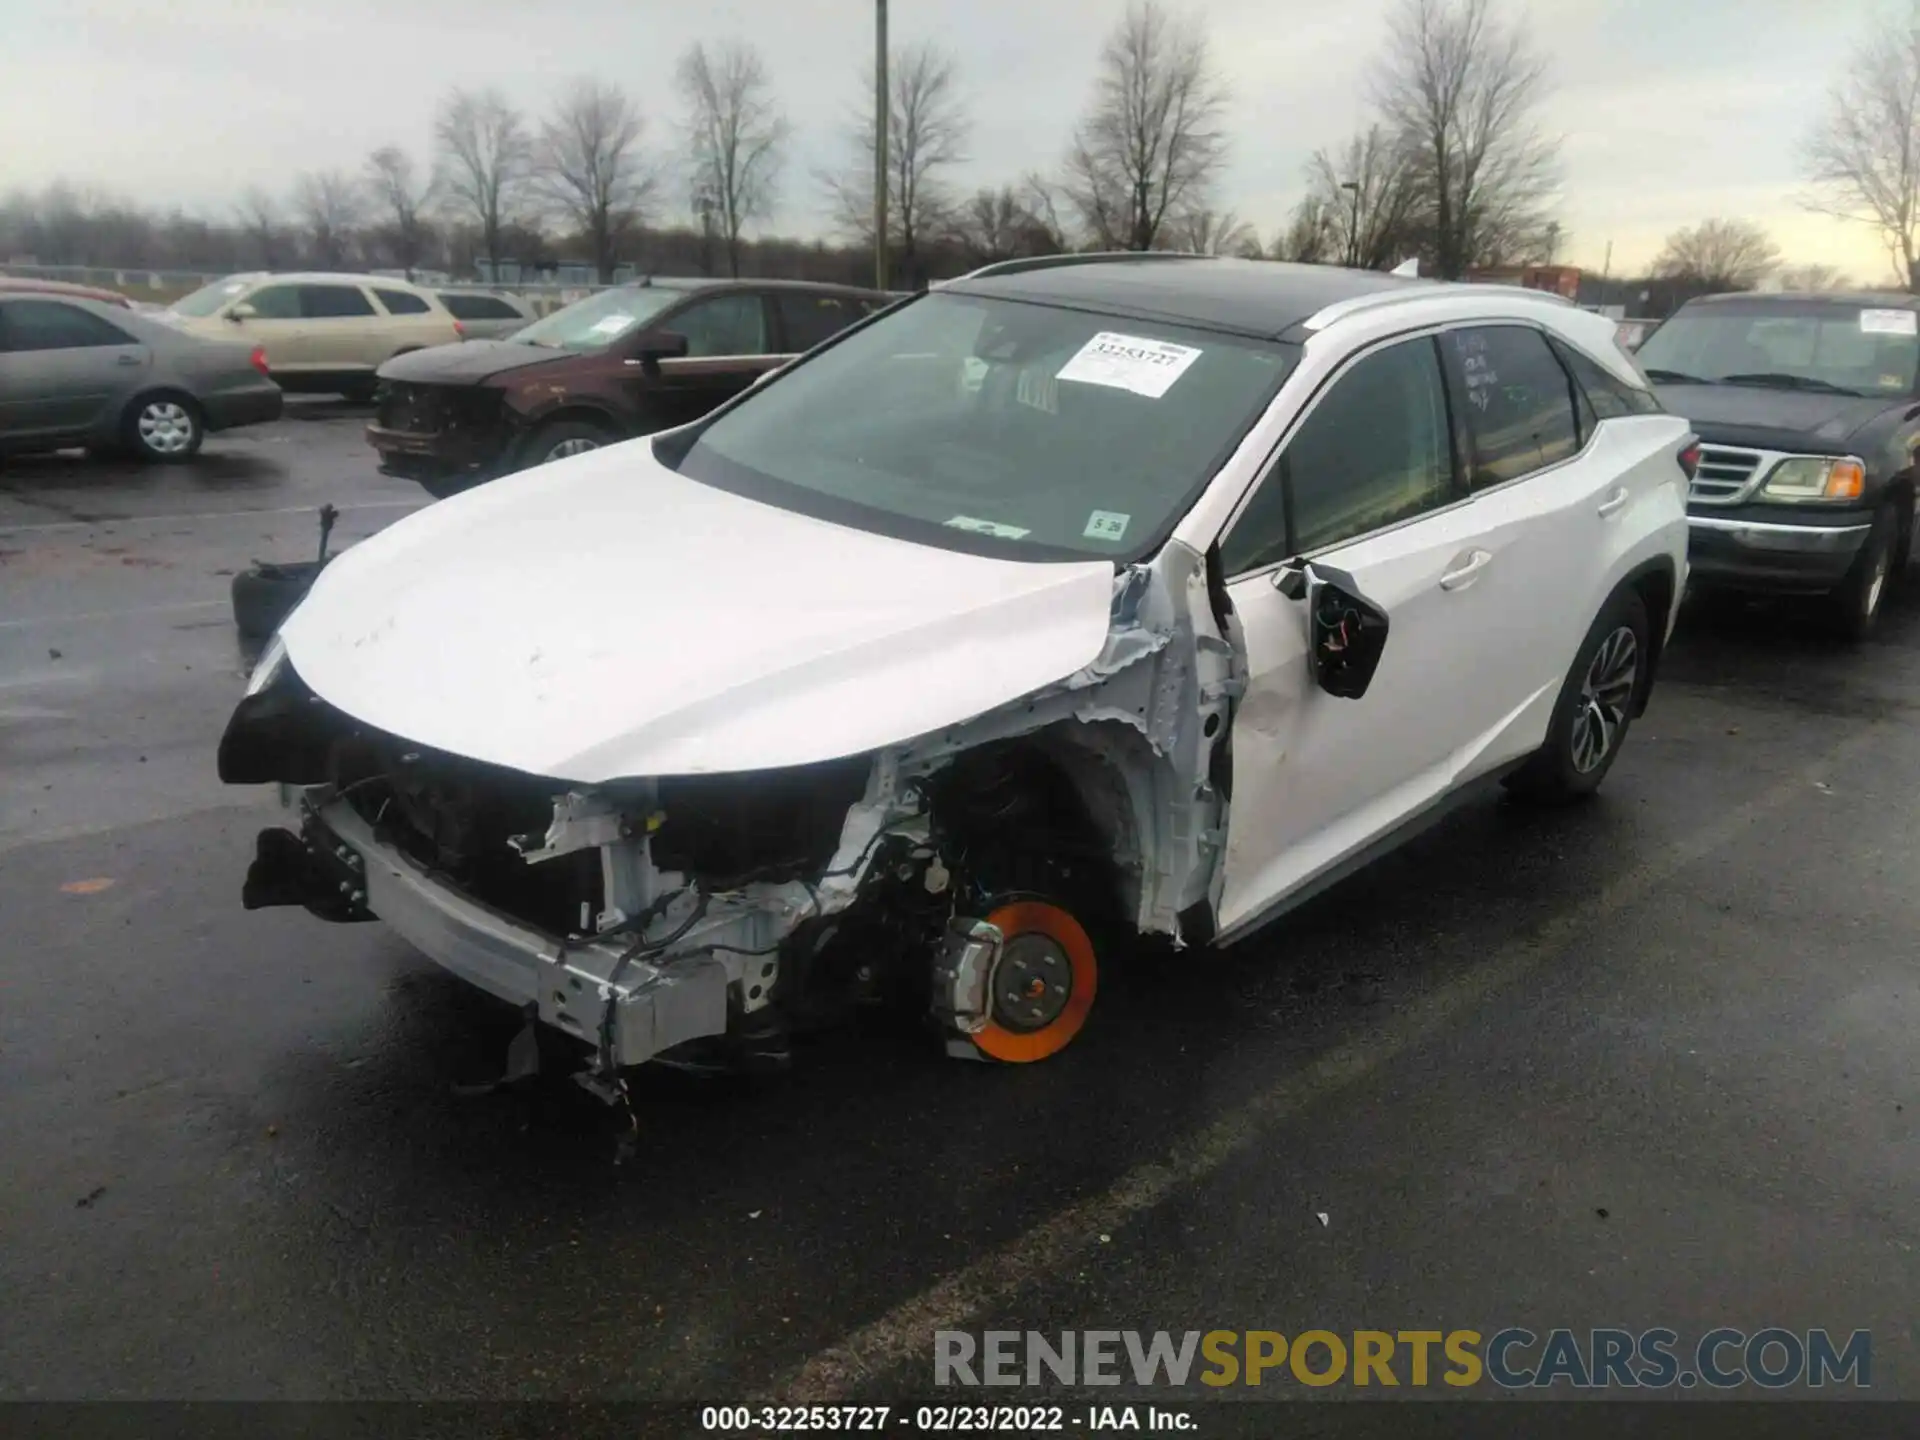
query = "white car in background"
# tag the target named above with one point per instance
(323, 333)
(1079, 598)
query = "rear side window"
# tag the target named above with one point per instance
(1516, 398)
(52, 325)
(334, 302)
(1375, 450)
(810, 319)
(1611, 398)
(399, 302)
(479, 307)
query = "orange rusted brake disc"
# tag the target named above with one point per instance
(1033, 1019)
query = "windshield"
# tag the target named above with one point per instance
(1807, 346)
(210, 299)
(1047, 433)
(599, 320)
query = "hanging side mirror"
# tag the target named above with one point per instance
(1346, 632)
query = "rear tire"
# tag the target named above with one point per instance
(1854, 608)
(164, 429)
(1594, 711)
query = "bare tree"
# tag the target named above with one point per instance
(927, 131)
(735, 135)
(1813, 277)
(591, 169)
(260, 222)
(331, 207)
(1309, 237)
(398, 191)
(1152, 143)
(1864, 154)
(1002, 225)
(1369, 195)
(485, 153)
(1212, 232)
(1460, 90)
(1722, 254)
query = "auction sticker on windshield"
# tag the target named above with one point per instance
(611, 324)
(1129, 362)
(1106, 525)
(1890, 322)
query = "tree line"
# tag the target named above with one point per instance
(1450, 166)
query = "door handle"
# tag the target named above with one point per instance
(126, 360)
(1461, 577)
(1614, 503)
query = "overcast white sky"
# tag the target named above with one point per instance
(1671, 110)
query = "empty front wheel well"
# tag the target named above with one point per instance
(1025, 806)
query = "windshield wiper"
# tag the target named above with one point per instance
(1674, 377)
(1789, 382)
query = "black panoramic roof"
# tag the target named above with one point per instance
(1259, 298)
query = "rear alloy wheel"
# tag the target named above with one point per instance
(1595, 708)
(1043, 985)
(1856, 604)
(164, 428)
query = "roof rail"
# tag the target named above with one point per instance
(1094, 257)
(1428, 290)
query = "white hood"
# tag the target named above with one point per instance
(602, 616)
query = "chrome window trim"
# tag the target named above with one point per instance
(1267, 465)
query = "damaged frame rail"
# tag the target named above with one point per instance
(1141, 732)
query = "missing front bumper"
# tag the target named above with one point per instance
(655, 1004)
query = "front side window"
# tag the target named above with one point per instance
(54, 325)
(334, 302)
(275, 302)
(210, 300)
(722, 325)
(996, 426)
(1374, 451)
(1517, 401)
(399, 302)
(1790, 344)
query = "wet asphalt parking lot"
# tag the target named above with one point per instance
(1652, 1062)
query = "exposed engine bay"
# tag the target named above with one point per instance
(704, 918)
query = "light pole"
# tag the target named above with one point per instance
(1353, 227)
(880, 115)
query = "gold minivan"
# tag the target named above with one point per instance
(323, 334)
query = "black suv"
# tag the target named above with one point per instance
(1806, 407)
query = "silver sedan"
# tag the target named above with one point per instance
(76, 372)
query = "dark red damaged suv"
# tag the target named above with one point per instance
(620, 363)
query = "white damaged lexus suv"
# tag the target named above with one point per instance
(1079, 598)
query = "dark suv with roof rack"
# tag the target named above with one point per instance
(622, 362)
(1806, 407)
